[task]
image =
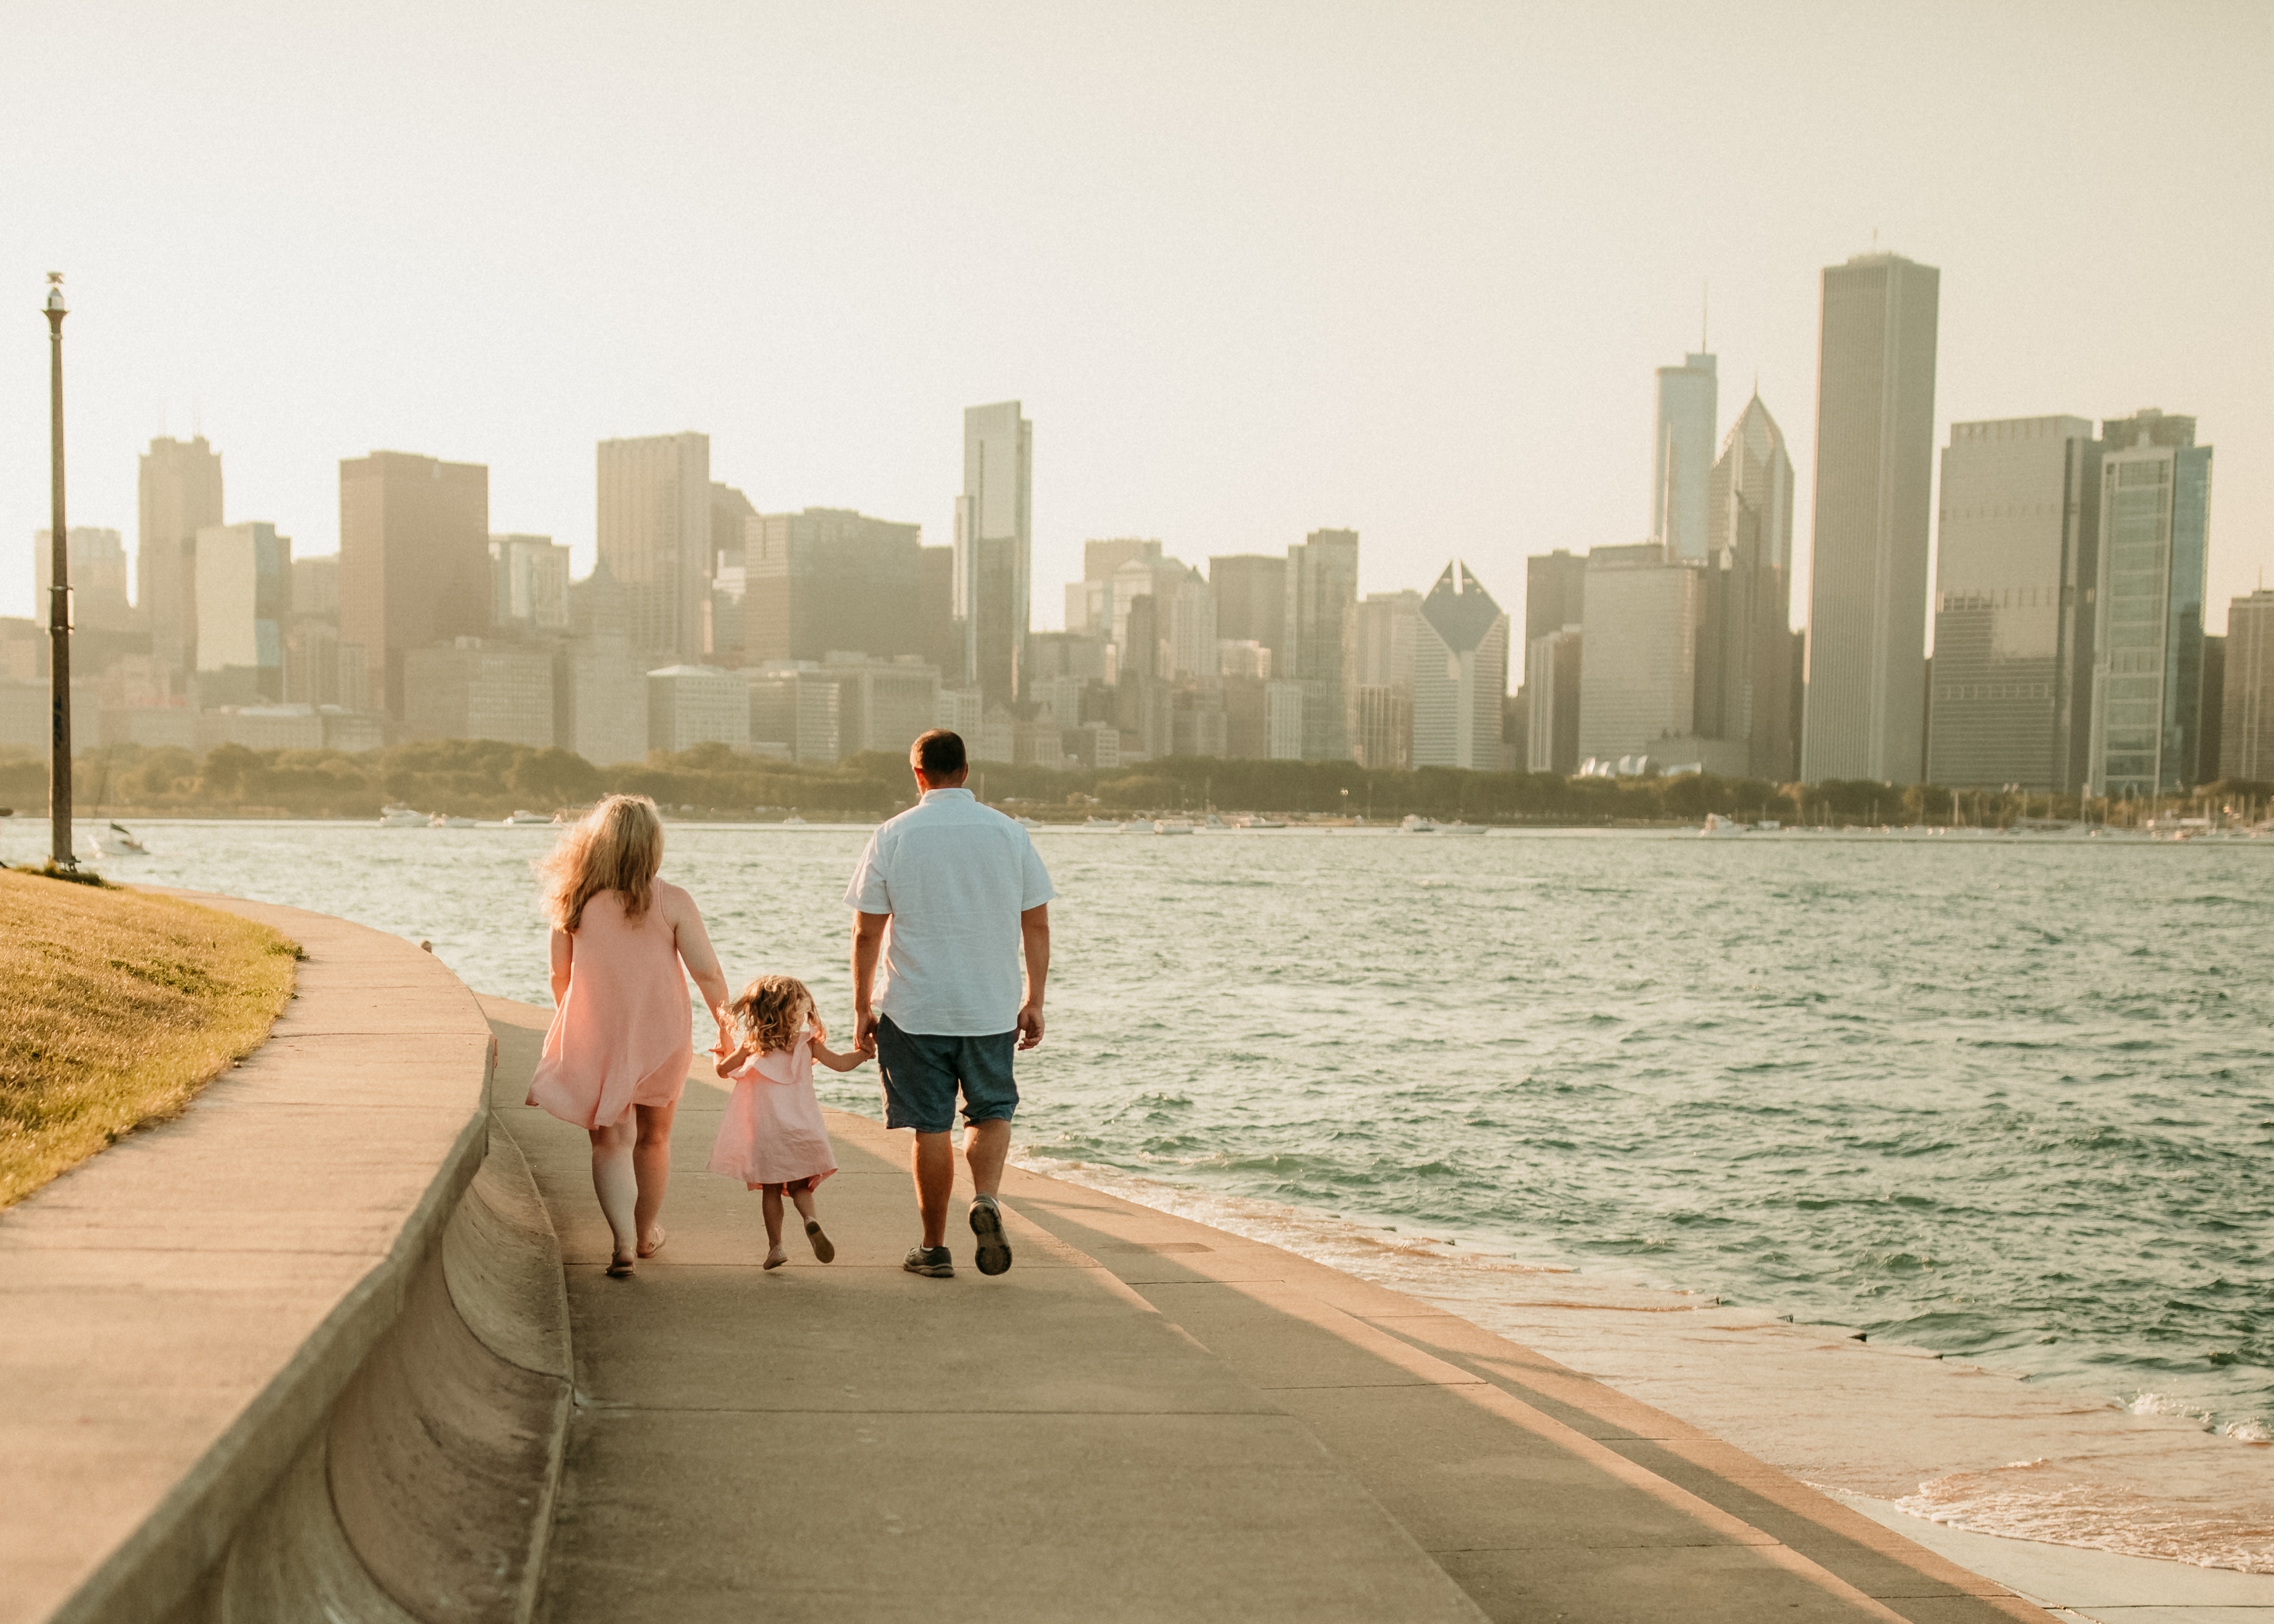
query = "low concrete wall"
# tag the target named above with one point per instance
(302, 1354)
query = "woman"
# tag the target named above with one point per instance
(617, 1054)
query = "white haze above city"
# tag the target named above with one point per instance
(1252, 270)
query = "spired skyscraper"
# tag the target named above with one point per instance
(2013, 616)
(1746, 646)
(1682, 456)
(994, 549)
(1874, 477)
(2147, 671)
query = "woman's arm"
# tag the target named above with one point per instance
(695, 953)
(562, 946)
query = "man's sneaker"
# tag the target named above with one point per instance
(987, 1224)
(932, 1260)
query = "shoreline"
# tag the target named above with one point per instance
(1836, 1398)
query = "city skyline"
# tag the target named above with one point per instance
(1223, 426)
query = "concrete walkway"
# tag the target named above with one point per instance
(1145, 1419)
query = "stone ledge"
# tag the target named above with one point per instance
(250, 1255)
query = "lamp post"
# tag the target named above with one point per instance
(59, 764)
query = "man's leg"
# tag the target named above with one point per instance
(986, 1147)
(934, 1167)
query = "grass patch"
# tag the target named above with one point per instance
(115, 1008)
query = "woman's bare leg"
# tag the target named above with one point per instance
(616, 1182)
(651, 1162)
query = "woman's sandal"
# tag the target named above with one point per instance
(620, 1268)
(648, 1249)
(824, 1248)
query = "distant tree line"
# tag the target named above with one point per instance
(482, 778)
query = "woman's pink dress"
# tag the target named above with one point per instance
(772, 1132)
(624, 1034)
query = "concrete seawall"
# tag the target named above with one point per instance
(301, 1354)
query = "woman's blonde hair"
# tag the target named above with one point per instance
(772, 1011)
(618, 845)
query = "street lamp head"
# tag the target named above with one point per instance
(55, 291)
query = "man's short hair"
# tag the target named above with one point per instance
(939, 753)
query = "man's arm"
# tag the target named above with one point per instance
(1034, 936)
(868, 940)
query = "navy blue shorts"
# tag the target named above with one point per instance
(923, 1074)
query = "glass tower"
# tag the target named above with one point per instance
(2147, 673)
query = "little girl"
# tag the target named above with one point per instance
(771, 1136)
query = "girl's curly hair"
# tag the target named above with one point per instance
(773, 1011)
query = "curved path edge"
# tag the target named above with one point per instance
(301, 1352)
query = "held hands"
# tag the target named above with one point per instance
(864, 1032)
(1030, 1024)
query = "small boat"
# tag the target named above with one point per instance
(1716, 826)
(444, 819)
(119, 841)
(1258, 823)
(1414, 823)
(401, 817)
(1457, 827)
(1172, 825)
(527, 817)
(1024, 822)
(1213, 822)
(792, 821)
(1113, 823)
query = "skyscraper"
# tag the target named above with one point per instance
(1460, 674)
(1637, 685)
(1682, 456)
(2247, 732)
(1251, 599)
(995, 546)
(2019, 528)
(180, 496)
(98, 578)
(243, 592)
(1322, 587)
(1385, 632)
(1090, 605)
(654, 534)
(1555, 604)
(414, 565)
(529, 586)
(829, 579)
(1868, 558)
(2147, 671)
(1746, 649)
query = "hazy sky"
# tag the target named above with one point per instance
(1252, 268)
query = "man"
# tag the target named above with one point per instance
(955, 895)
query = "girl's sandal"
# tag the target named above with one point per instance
(824, 1248)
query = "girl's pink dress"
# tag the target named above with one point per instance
(624, 1034)
(772, 1132)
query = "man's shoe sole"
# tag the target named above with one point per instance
(994, 1250)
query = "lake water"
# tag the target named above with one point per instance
(1999, 1098)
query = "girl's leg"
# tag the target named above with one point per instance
(615, 1183)
(775, 1254)
(651, 1162)
(822, 1248)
